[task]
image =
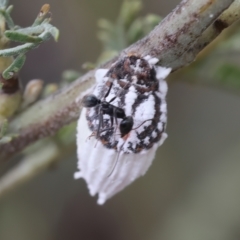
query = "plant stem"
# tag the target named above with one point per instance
(174, 37)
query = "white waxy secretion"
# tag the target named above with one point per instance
(110, 158)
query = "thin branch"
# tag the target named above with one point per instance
(168, 41)
(179, 30)
(45, 154)
(227, 18)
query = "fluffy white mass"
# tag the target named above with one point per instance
(96, 161)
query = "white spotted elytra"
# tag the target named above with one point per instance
(122, 125)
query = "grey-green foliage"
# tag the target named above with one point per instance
(229, 75)
(3, 4)
(31, 37)
(16, 65)
(128, 28)
(5, 11)
(218, 66)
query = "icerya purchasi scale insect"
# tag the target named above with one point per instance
(133, 89)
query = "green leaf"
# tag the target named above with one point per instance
(129, 11)
(31, 30)
(6, 14)
(54, 32)
(15, 66)
(23, 38)
(135, 31)
(3, 4)
(229, 75)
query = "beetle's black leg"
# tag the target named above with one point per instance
(112, 99)
(109, 89)
(115, 116)
(111, 118)
(100, 124)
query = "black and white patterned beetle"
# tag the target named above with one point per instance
(138, 87)
(106, 108)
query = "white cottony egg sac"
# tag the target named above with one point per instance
(96, 163)
(122, 124)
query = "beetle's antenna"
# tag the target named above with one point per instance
(114, 166)
(109, 89)
(142, 124)
(115, 163)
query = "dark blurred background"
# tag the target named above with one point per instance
(190, 193)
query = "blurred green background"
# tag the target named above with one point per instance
(192, 191)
